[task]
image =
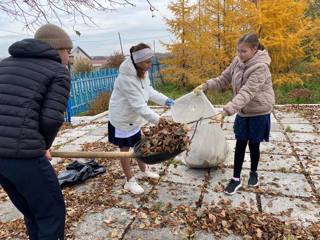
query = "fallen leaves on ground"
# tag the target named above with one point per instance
(224, 220)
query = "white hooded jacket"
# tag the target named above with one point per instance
(128, 103)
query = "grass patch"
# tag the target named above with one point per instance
(99, 105)
(288, 129)
(173, 91)
(286, 94)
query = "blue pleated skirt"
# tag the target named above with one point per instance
(255, 129)
(122, 142)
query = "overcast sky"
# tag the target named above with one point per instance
(135, 25)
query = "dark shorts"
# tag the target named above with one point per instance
(255, 129)
(122, 142)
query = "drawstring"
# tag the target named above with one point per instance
(197, 123)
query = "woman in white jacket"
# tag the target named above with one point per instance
(128, 108)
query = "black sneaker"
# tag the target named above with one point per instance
(253, 179)
(232, 187)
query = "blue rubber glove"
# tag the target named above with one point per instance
(169, 102)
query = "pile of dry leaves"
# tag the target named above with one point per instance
(167, 136)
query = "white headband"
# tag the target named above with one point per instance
(142, 55)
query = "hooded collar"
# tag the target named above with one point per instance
(33, 48)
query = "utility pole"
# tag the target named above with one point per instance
(120, 43)
(154, 46)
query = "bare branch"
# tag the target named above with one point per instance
(35, 12)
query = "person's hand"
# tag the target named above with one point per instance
(169, 102)
(48, 155)
(219, 117)
(200, 89)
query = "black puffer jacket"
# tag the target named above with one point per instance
(34, 89)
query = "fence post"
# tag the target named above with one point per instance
(69, 110)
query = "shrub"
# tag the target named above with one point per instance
(82, 65)
(114, 61)
(100, 104)
(301, 94)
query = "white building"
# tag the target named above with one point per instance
(78, 54)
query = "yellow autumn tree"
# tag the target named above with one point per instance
(180, 26)
(226, 22)
(312, 42)
(207, 32)
(282, 27)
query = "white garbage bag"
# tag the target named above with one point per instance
(209, 147)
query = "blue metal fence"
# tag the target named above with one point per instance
(86, 87)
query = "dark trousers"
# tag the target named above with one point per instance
(239, 154)
(33, 188)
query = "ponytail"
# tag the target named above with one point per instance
(252, 40)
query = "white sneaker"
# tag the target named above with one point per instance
(150, 174)
(133, 186)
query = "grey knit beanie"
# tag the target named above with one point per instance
(54, 36)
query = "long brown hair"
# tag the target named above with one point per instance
(252, 40)
(140, 72)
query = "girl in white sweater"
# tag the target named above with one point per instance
(128, 108)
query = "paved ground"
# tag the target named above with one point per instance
(190, 204)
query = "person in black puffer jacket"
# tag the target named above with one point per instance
(34, 89)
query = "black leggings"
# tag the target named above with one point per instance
(241, 146)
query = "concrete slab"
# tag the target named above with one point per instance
(274, 136)
(68, 137)
(101, 131)
(175, 194)
(231, 119)
(70, 147)
(86, 139)
(291, 184)
(151, 234)
(9, 212)
(275, 127)
(316, 182)
(297, 120)
(185, 175)
(210, 236)
(77, 120)
(276, 148)
(102, 120)
(311, 164)
(127, 199)
(229, 134)
(90, 126)
(109, 224)
(298, 127)
(104, 139)
(304, 137)
(307, 149)
(240, 199)
(84, 187)
(278, 137)
(281, 163)
(291, 209)
(219, 179)
(284, 114)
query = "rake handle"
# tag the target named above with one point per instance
(93, 154)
